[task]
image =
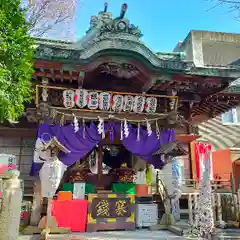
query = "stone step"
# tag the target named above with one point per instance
(184, 214)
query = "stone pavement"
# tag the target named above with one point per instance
(131, 235)
(116, 235)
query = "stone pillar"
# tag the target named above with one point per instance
(37, 203)
(169, 177)
(177, 192)
(204, 219)
(10, 209)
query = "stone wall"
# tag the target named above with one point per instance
(211, 48)
(220, 53)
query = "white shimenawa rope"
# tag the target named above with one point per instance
(110, 116)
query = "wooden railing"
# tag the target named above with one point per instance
(223, 184)
(192, 185)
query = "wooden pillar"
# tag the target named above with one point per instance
(37, 203)
(100, 158)
(193, 160)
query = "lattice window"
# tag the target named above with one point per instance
(22, 148)
(232, 116)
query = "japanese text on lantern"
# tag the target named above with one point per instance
(106, 101)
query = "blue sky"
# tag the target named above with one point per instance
(163, 22)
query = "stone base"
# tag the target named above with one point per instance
(30, 230)
(44, 234)
(221, 224)
(167, 219)
(233, 224)
(174, 229)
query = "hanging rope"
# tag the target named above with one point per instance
(110, 116)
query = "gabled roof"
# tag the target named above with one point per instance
(236, 63)
(54, 143)
(174, 149)
(108, 36)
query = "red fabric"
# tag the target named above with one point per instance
(201, 149)
(70, 214)
(197, 159)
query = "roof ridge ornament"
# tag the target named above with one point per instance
(105, 6)
(123, 10)
(107, 24)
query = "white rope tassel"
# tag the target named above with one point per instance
(53, 114)
(126, 130)
(62, 120)
(149, 128)
(121, 131)
(75, 123)
(101, 127)
(138, 132)
(84, 128)
(103, 131)
(157, 130)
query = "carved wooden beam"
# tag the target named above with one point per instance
(48, 64)
(71, 76)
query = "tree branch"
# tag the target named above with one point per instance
(47, 16)
(233, 6)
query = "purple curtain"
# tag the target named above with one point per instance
(80, 146)
(74, 142)
(147, 145)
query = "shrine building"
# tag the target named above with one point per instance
(120, 110)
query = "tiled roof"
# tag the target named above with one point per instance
(219, 135)
(236, 63)
(235, 83)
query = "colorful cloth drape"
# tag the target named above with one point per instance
(203, 151)
(83, 141)
(127, 188)
(74, 215)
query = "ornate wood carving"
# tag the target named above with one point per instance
(43, 111)
(44, 90)
(123, 70)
